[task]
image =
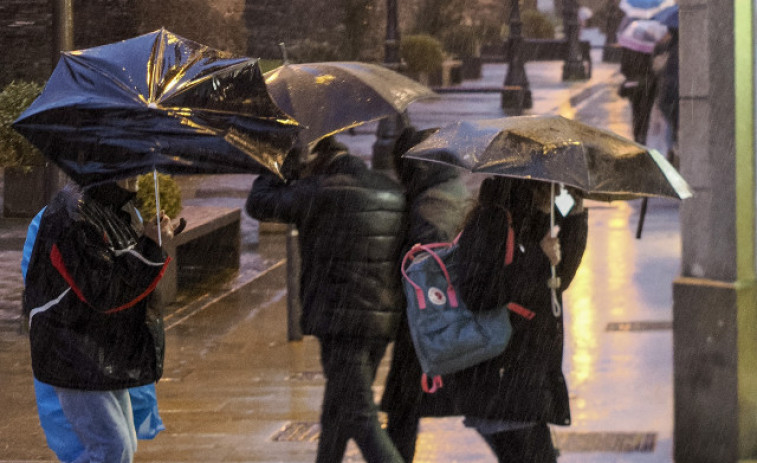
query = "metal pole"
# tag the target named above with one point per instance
(294, 305)
(517, 92)
(63, 40)
(611, 50)
(389, 128)
(573, 68)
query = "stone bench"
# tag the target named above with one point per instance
(211, 241)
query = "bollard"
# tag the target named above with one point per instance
(294, 306)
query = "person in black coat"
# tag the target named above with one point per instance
(640, 87)
(437, 200)
(510, 399)
(93, 329)
(350, 221)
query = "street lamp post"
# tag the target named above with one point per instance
(389, 128)
(63, 40)
(573, 68)
(517, 92)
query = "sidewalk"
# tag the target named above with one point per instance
(234, 389)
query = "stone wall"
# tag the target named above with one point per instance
(25, 38)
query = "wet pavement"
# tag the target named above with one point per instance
(236, 390)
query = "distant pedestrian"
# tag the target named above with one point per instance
(351, 222)
(510, 399)
(666, 69)
(437, 202)
(92, 329)
(640, 87)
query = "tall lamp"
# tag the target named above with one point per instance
(63, 40)
(389, 128)
(517, 92)
(573, 68)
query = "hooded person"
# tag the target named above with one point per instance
(93, 332)
(350, 223)
(437, 201)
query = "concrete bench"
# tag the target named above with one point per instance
(211, 241)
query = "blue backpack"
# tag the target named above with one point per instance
(447, 336)
(59, 434)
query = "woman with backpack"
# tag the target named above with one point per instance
(437, 201)
(511, 399)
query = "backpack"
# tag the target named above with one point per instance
(447, 336)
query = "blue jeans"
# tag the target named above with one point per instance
(349, 411)
(104, 423)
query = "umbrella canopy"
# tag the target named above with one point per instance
(642, 35)
(668, 17)
(157, 101)
(644, 9)
(334, 96)
(605, 166)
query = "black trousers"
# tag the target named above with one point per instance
(528, 445)
(349, 411)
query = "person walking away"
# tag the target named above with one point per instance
(640, 87)
(92, 331)
(437, 201)
(351, 222)
(510, 399)
(666, 54)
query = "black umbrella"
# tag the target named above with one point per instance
(157, 102)
(331, 97)
(600, 163)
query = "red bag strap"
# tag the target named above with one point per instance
(429, 248)
(510, 244)
(436, 383)
(520, 310)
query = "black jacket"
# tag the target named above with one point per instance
(350, 221)
(526, 382)
(437, 202)
(87, 291)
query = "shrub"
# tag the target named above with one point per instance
(537, 25)
(461, 41)
(170, 196)
(15, 150)
(421, 53)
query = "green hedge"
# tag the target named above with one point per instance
(15, 150)
(421, 53)
(170, 196)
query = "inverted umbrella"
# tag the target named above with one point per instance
(642, 35)
(644, 9)
(600, 163)
(157, 102)
(331, 97)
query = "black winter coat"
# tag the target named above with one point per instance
(526, 382)
(350, 221)
(87, 292)
(437, 201)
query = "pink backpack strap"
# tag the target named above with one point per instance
(520, 310)
(436, 383)
(510, 244)
(429, 248)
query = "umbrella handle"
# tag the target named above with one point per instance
(556, 307)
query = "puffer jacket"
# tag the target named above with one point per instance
(87, 294)
(351, 224)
